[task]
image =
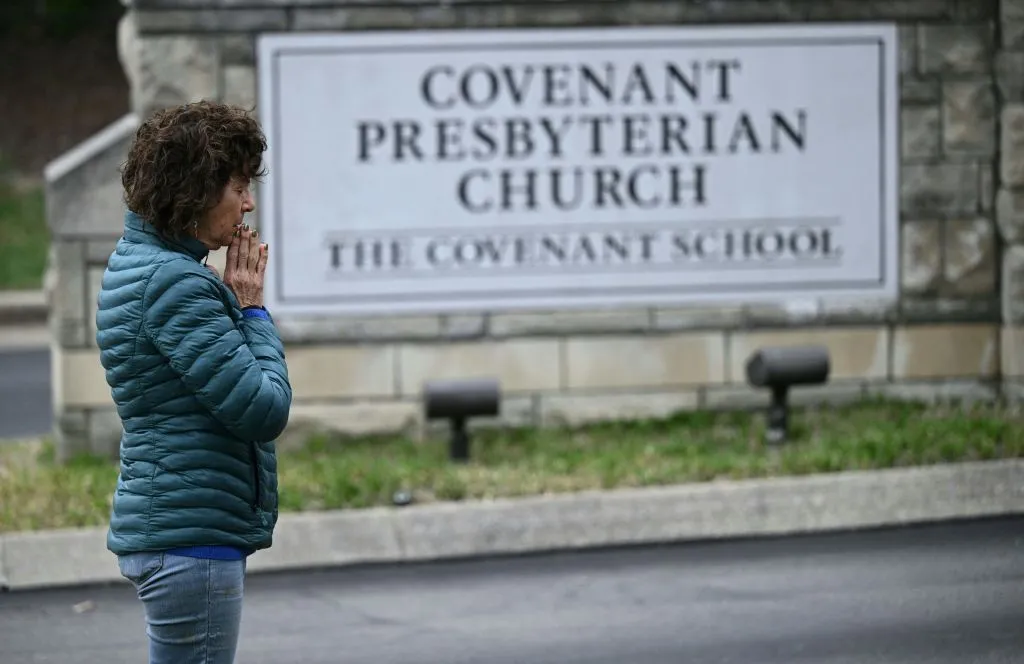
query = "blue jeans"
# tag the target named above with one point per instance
(193, 606)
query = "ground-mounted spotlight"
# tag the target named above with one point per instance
(457, 401)
(779, 369)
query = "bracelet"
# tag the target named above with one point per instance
(256, 312)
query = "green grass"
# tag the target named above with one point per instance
(24, 237)
(330, 473)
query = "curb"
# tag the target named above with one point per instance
(23, 307)
(714, 510)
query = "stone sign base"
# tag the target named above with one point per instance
(955, 332)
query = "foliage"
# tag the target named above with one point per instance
(56, 18)
(24, 236)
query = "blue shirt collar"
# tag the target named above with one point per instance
(137, 230)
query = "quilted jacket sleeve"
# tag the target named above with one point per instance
(237, 372)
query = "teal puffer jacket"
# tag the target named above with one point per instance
(202, 392)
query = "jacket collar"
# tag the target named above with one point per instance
(137, 230)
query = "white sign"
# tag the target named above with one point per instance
(486, 170)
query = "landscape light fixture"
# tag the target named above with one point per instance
(457, 401)
(779, 369)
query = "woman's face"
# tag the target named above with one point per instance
(217, 229)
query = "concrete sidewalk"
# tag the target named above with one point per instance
(597, 519)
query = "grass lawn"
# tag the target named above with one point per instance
(24, 238)
(693, 447)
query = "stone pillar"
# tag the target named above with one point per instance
(166, 70)
(84, 214)
(948, 125)
(1010, 199)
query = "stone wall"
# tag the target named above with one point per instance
(954, 332)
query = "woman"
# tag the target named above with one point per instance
(198, 373)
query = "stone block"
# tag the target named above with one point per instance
(1010, 75)
(240, 86)
(168, 70)
(921, 260)
(1010, 215)
(697, 318)
(561, 14)
(1011, 19)
(520, 365)
(326, 330)
(975, 10)
(875, 10)
(855, 352)
(920, 91)
(357, 18)
(245, 20)
(84, 197)
(1012, 393)
(578, 409)
(955, 49)
(615, 362)
(939, 190)
(1013, 284)
(238, 49)
(464, 326)
(657, 13)
(968, 117)
(105, 430)
(359, 418)
(71, 427)
(907, 36)
(1012, 34)
(797, 311)
(949, 309)
(945, 351)
(740, 10)
(1011, 164)
(987, 186)
(920, 132)
(936, 392)
(338, 372)
(82, 380)
(98, 251)
(68, 300)
(563, 322)
(748, 398)
(1011, 351)
(515, 411)
(851, 311)
(970, 260)
(94, 285)
(1009, 10)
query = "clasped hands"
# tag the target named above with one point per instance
(245, 266)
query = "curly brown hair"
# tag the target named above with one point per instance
(183, 157)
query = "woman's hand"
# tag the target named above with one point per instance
(245, 266)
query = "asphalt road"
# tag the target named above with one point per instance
(942, 595)
(25, 402)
